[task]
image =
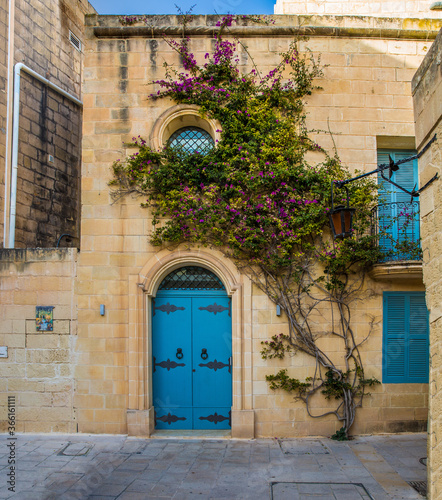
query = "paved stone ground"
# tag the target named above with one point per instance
(97, 467)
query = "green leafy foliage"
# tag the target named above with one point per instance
(282, 381)
(277, 347)
(340, 435)
(258, 198)
(336, 384)
(254, 194)
(333, 385)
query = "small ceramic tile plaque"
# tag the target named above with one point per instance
(44, 321)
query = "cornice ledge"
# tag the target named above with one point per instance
(123, 32)
(397, 270)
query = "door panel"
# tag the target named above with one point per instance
(211, 325)
(172, 374)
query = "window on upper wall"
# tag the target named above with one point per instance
(405, 356)
(192, 140)
(397, 213)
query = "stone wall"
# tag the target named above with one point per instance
(39, 368)
(3, 93)
(427, 95)
(366, 102)
(389, 407)
(48, 199)
(380, 8)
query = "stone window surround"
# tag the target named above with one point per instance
(142, 288)
(179, 116)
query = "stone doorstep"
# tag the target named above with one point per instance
(191, 434)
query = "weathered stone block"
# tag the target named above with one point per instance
(39, 371)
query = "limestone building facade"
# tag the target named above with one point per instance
(366, 102)
(99, 358)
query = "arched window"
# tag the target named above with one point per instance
(192, 140)
(191, 278)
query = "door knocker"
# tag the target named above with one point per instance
(179, 353)
(204, 354)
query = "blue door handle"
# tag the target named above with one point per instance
(179, 353)
(204, 354)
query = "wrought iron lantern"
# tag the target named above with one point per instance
(341, 217)
(341, 221)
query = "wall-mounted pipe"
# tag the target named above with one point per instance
(9, 90)
(15, 130)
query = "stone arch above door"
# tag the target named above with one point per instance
(143, 287)
(164, 262)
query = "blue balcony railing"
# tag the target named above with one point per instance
(397, 227)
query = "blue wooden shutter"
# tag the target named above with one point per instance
(394, 356)
(385, 214)
(390, 216)
(405, 342)
(406, 176)
(418, 361)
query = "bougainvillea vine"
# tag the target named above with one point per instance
(258, 196)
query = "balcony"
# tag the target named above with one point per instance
(397, 227)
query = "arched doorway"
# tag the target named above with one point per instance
(192, 351)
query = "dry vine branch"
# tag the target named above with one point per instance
(256, 198)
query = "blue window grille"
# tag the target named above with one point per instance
(405, 356)
(397, 214)
(192, 140)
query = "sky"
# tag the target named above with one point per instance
(168, 6)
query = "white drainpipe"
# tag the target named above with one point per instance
(15, 130)
(11, 30)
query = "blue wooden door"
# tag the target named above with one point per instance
(172, 360)
(192, 354)
(212, 351)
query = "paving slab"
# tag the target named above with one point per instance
(332, 491)
(80, 466)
